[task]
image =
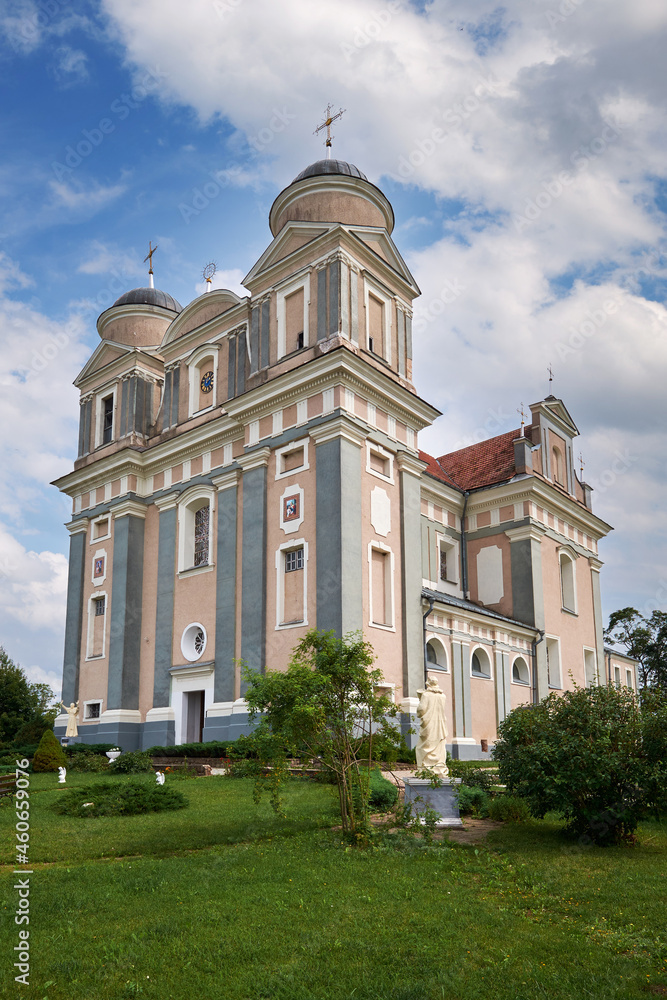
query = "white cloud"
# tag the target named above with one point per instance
(71, 66)
(105, 258)
(78, 198)
(230, 279)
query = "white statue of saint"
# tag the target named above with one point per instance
(159, 777)
(72, 713)
(62, 774)
(430, 751)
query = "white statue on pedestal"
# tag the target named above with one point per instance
(430, 751)
(62, 774)
(159, 777)
(72, 713)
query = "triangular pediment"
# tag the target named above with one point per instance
(559, 413)
(381, 244)
(293, 237)
(107, 354)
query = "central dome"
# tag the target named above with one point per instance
(330, 167)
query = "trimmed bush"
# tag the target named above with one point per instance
(383, 794)
(132, 762)
(119, 798)
(212, 749)
(473, 801)
(582, 754)
(49, 755)
(509, 809)
(88, 762)
(98, 748)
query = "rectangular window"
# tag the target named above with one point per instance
(293, 460)
(617, 676)
(107, 420)
(443, 562)
(628, 678)
(92, 710)
(375, 325)
(100, 606)
(381, 588)
(293, 560)
(553, 663)
(379, 463)
(101, 528)
(202, 536)
(294, 320)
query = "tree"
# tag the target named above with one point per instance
(588, 754)
(326, 704)
(20, 701)
(645, 639)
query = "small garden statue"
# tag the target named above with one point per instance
(159, 777)
(72, 712)
(62, 774)
(430, 750)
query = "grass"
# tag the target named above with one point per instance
(229, 902)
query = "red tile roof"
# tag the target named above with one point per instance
(478, 465)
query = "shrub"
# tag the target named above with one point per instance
(49, 755)
(580, 754)
(98, 748)
(509, 809)
(473, 801)
(383, 794)
(212, 749)
(132, 762)
(119, 798)
(88, 762)
(471, 774)
(654, 738)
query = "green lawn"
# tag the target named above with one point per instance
(228, 901)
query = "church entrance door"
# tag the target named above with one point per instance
(194, 716)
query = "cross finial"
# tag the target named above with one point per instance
(149, 258)
(551, 375)
(581, 466)
(523, 417)
(327, 123)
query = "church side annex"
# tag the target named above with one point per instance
(248, 469)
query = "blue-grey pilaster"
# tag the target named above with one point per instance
(253, 587)
(502, 679)
(264, 334)
(321, 304)
(527, 591)
(126, 606)
(175, 383)
(74, 621)
(254, 340)
(225, 609)
(338, 529)
(596, 566)
(164, 615)
(240, 363)
(462, 708)
(334, 293)
(231, 369)
(409, 470)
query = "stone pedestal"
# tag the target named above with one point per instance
(442, 799)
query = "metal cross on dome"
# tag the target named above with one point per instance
(149, 258)
(327, 123)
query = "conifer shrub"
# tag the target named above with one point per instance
(49, 755)
(473, 801)
(509, 809)
(119, 798)
(383, 794)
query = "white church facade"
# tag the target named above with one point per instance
(249, 469)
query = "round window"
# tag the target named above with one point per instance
(193, 642)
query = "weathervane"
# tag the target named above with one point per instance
(523, 417)
(327, 123)
(208, 273)
(149, 258)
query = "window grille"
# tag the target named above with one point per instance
(100, 606)
(201, 536)
(293, 560)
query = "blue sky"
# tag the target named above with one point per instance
(523, 148)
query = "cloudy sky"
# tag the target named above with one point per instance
(523, 148)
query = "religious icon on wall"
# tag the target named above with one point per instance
(291, 508)
(99, 567)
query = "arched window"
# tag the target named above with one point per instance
(195, 529)
(520, 672)
(480, 663)
(557, 467)
(436, 655)
(202, 378)
(567, 582)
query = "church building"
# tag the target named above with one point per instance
(248, 469)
